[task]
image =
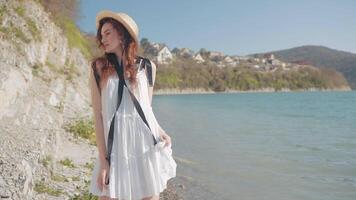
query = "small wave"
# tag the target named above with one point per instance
(308, 148)
(185, 161)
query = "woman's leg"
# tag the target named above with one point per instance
(151, 198)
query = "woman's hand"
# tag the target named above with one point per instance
(103, 175)
(165, 137)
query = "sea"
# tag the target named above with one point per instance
(262, 146)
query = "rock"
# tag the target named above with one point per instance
(28, 185)
(53, 100)
(181, 186)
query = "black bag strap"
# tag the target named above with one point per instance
(146, 63)
(120, 71)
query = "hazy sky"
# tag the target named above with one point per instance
(236, 27)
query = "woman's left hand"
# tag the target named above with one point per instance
(165, 137)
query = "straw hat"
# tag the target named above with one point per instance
(123, 18)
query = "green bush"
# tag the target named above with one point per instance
(20, 11)
(59, 178)
(74, 36)
(19, 34)
(42, 187)
(2, 12)
(83, 128)
(46, 161)
(67, 162)
(36, 69)
(33, 29)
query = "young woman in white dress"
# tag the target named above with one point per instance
(137, 170)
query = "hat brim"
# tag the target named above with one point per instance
(120, 18)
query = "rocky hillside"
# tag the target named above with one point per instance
(323, 57)
(43, 87)
(44, 107)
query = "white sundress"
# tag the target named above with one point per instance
(138, 168)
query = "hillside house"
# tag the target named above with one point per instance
(216, 56)
(230, 61)
(164, 56)
(197, 57)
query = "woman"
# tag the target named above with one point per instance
(136, 168)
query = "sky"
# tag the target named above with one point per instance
(235, 27)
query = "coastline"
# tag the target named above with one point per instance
(176, 91)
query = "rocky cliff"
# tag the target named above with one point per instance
(43, 87)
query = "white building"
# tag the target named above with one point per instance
(157, 46)
(244, 58)
(164, 56)
(230, 61)
(198, 58)
(215, 55)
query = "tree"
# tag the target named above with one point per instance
(145, 43)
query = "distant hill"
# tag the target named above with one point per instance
(217, 72)
(322, 57)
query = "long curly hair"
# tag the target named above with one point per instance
(130, 53)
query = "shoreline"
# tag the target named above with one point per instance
(265, 90)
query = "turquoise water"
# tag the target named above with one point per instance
(298, 145)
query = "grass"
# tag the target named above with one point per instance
(85, 194)
(75, 178)
(59, 178)
(73, 70)
(2, 12)
(67, 162)
(5, 30)
(42, 187)
(74, 36)
(19, 34)
(83, 128)
(20, 11)
(35, 32)
(52, 66)
(70, 71)
(46, 161)
(31, 25)
(89, 165)
(36, 68)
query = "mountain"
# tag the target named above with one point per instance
(216, 72)
(322, 57)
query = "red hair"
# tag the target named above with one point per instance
(130, 48)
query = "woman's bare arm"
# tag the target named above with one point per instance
(98, 120)
(150, 90)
